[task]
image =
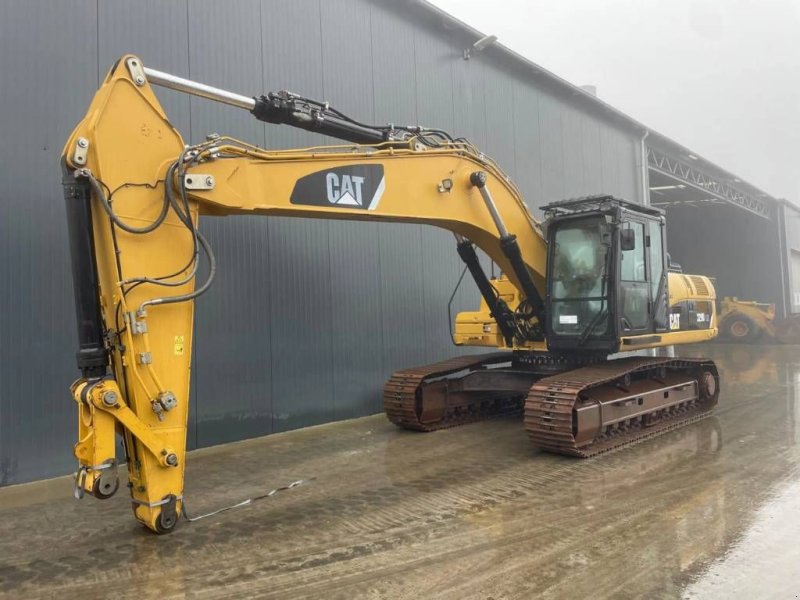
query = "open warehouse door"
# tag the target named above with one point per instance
(747, 240)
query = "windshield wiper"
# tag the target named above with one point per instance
(589, 328)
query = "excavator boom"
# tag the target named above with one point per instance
(134, 192)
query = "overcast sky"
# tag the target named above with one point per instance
(719, 76)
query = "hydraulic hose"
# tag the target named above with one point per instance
(100, 193)
(212, 271)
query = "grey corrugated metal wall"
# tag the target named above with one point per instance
(307, 318)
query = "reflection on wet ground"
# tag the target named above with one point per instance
(474, 512)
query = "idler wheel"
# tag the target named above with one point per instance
(708, 385)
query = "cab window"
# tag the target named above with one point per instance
(656, 257)
(633, 265)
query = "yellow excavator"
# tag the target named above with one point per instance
(588, 282)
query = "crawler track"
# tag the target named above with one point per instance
(415, 399)
(552, 404)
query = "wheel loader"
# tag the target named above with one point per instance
(746, 321)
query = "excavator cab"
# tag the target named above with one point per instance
(607, 284)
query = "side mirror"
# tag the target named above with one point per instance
(627, 239)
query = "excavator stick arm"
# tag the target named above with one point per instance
(134, 193)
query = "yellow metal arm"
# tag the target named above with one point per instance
(145, 253)
(413, 186)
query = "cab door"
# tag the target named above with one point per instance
(634, 282)
(657, 273)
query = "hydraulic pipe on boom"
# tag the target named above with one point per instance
(277, 108)
(134, 193)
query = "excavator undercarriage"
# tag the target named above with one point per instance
(602, 407)
(454, 392)
(581, 412)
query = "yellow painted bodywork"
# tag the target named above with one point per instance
(478, 328)
(691, 287)
(131, 141)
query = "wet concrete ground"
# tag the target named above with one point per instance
(710, 511)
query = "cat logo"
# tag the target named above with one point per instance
(345, 190)
(674, 321)
(355, 186)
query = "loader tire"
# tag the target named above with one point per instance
(740, 328)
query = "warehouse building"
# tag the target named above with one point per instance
(308, 318)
